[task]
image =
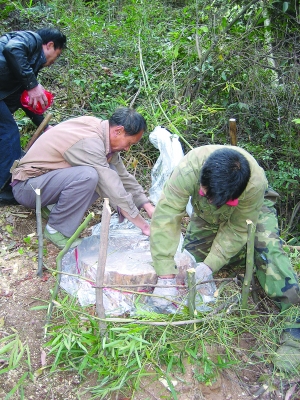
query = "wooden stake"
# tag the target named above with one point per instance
(106, 214)
(39, 231)
(249, 264)
(39, 130)
(232, 132)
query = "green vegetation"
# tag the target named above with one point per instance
(12, 353)
(139, 350)
(146, 347)
(188, 65)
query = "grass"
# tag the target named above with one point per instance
(12, 353)
(139, 350)
(132, 352)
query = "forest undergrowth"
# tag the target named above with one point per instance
(189, 66)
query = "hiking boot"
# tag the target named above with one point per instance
(45, 212)
(287, 357)
(60, 240)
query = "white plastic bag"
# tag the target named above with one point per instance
(170, 154)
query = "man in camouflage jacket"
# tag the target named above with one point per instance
(217, 233)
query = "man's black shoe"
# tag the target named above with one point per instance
(7, 197)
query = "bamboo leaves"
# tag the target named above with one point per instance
(12, 351)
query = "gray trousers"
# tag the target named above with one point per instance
(72, 190)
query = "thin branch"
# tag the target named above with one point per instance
(192, 290)
(91, 281)
(135, 96)
(212, 315)
(59, 263)
(228, 27)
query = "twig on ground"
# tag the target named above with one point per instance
(260, 391)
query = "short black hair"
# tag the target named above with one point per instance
(224, 175)
(53, 35)
(132, 121)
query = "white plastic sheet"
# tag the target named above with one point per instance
(170, 155)
(128, 254)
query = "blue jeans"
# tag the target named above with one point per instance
(10, 146)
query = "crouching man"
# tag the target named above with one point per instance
(76, 162)
(227, 187)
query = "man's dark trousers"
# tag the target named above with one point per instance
(10, 147)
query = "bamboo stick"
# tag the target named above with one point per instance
(59, 264)
(39, 231)
(249, 264)
(106, 214)
(191, 281)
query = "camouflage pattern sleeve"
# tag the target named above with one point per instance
(166, 220)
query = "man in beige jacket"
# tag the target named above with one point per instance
(76, 162)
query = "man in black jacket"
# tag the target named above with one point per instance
(22, 55)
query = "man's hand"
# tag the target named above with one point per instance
(206, 290)
(37, 95)
(163, 303)
(149, 208)
(145, 227)
(138, 221)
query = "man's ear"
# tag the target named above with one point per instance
(119, 129)
(49, 45)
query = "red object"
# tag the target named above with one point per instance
(232, 203)
(39, 109)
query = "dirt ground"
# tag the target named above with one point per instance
(21, 289)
